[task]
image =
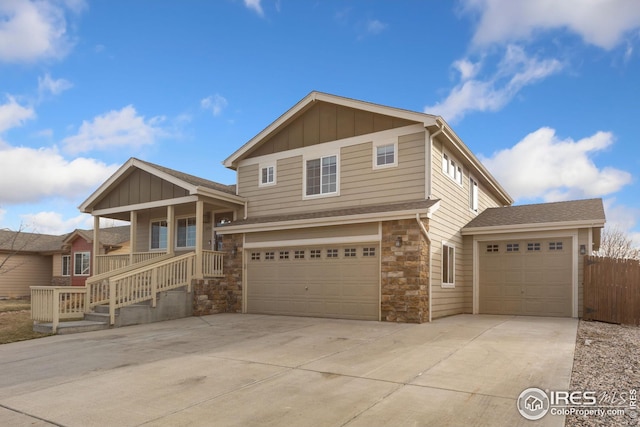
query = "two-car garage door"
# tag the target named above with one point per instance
(526, 277)
(340, 281)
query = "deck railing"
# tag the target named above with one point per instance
(212, 264)
(55, 303)
(107, 263)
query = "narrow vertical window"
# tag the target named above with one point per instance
(448, 265)
(186, 233)
(158, 235)
(473, 195)
(267, 175)
(66, 265)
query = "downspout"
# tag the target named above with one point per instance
(428, 167)
(426, 235)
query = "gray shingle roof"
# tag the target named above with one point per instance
(193, 180)
(110, 236)
(407, 206)
(29, 242)
(556, 212)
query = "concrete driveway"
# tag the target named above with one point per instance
(244, 370)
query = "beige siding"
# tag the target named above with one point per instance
(57, 264)
(325, 122)
(351, 230)
(454, 213)
(140, 187)
(359, 182)
(22, 271)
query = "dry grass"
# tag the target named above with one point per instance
(15, 321)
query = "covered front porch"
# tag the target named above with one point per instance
(173, 241)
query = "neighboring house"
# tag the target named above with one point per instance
(354, 210)
(77, 263)
(26, 259)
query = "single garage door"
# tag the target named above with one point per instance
(526, 277)
(340, 281)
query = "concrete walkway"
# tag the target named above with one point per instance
(252, 370)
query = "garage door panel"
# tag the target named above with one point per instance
(526, 282)
(346, 286)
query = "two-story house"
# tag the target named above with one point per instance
(353, 210)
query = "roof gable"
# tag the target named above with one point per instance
(320, 117)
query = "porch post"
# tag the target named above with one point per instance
(133, 232)
(199, 239)
(171, 233)
(96, 246)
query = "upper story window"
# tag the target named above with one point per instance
(186, 232)
(66, 265)
(158, 234)
(321, 176)
(267, 175)
(451, 168)
(473, 194)
(385, 155)
(81, 264)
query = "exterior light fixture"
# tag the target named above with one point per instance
(583, 249)
(398, 241)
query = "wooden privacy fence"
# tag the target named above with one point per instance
(612, 290)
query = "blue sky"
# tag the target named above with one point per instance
(546, 93)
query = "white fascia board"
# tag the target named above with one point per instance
(318, 222)
(148, 205)
(526, 228)
(220, 195)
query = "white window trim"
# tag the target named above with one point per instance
(176, 232)
(262, 166)
(452, 284)
(318, 155)
(151, 233)
(381, 143)
(452, 167)
(68, 265)
(74, 264)
(474, 202)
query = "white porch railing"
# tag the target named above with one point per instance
(212, 264)
(55, 303)
(107, 263)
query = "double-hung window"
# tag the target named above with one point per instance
(267, 175)
(448, 266)
(321, 176)
(186, 232)
(385, 155)
(473, 194)
(159, 235)
(81, 263)
(451, 168)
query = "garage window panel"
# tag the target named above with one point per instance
(493, 248)
(533, 247)
(349, 252)
(255, 256)
(269, 256)
(284, 254)
(298, 255)
(513, 247)
(368, 252)
(555, 246)
(332, 253)
(315, 253)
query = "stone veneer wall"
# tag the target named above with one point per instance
(405, 272)
(61, 281)
(221, 295)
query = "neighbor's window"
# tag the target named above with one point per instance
(186, 233)
(159, 234)
(322, 176)
(81, 263)
(66, 265)
(385, 155)
(267, 175)
(448, 265)
(473, 194)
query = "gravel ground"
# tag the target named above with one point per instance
(607, 361)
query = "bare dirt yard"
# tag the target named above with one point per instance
(607, 362)
(15, 321)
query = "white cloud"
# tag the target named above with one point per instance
(255, 6)
(600, 23)
(47, 85)
(375, 27)
(33, 30)
(29, 175)
(544, 166)
(115, 129)
(13, 114)
(513, 72)
(215, 103)
(54, 223)
(623, 218)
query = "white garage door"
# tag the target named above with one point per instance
(526, 277)
(339, 281)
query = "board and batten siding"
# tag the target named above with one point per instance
(445, 226)
(359, 183)
(22, 271)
